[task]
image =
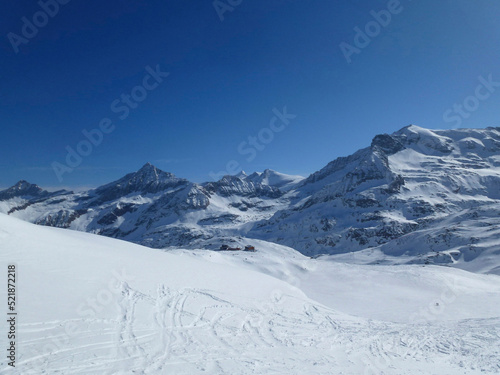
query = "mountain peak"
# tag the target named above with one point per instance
(151, 173)
(23, 184)
(414, 128)
(424, 140)
(21, 188)
(148, 165)
(415, 132)
(148, 179)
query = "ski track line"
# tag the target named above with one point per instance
(192, 331)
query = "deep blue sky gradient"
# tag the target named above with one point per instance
(226, 78)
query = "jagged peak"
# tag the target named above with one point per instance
(148, 179)
(23, 185)
(275, 179)
(230, 178)
(20, 188)
(148, 166)
(152, 173)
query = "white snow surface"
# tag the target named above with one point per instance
(89, 304)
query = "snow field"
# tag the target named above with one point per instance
(95, 305)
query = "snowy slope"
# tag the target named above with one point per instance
(386, 293)
(95, 305)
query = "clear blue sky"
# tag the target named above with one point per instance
(227, 76)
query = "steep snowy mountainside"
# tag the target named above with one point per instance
(413, 180)
(96, 305)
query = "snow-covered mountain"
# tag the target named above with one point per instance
(152, 207)
(430, 195)
(23, 188)
(414, 196)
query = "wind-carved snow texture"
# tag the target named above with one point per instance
(414, 196)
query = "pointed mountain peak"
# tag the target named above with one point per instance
(22, 188)
(151, 173)
(148, 179)
(148, 168)
(23, 184)
(148, 165)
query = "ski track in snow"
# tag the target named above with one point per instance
(168, 333)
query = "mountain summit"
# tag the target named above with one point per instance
(22, 188)
(147, 180)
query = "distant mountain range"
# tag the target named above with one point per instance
(417, 195)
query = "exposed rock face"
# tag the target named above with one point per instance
(386, 144)
(243, 187)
